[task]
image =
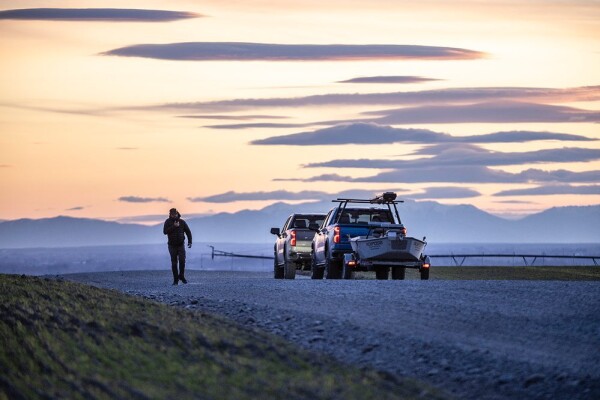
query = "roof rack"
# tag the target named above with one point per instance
(385, 198)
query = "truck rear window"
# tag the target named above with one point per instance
(303, 221)
(363, 216)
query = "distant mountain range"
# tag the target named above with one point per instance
(440, 223)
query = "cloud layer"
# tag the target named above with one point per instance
(388, 79)
(459, 174)
(488, 112)
(232, 117)
(255, 125)
(467, 155)
(136, 199)
(454, 96)
(463, 163)
(280, 195)
(551, 190)
(370, 133)
(240, 51)
(96, 14)
(443, 192)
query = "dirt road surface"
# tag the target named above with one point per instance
(473, 339)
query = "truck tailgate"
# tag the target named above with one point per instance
(304, 235)
(348, 231)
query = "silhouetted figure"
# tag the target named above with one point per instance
(175, 228)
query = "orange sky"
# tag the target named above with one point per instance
(88, 134)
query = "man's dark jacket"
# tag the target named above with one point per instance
(176, 233)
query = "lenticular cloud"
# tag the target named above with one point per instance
(95, 14)
(237, 51)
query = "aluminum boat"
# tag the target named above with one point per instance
(387, 242)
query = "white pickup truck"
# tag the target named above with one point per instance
(292, 248)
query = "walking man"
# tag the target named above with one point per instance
(175, 228)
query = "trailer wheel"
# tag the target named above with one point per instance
(316, 272)
(277, 270)
(382, 273)
(425, 267)
(289, 269)
(398, 273)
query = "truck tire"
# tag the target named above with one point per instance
(382, 272)
(289, 268)
(333, 268)
(347, 272)
(316, 272)
(398, 273)
(424, 274)
(277, 271)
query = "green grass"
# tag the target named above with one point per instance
(518, 273)
(66, 340)
(579, 273)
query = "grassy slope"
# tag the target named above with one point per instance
(66, 340)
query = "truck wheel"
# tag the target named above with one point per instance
(277, 271)
(424, 274)
(316, 272)
(333, 268)
(289, 268)
(382, 273)
(347, 272)
(398, 273)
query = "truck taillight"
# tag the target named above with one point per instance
(293, 238)
(403, 231)
(336, 234)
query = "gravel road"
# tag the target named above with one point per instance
(473, 339)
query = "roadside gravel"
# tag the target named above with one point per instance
(473, 339)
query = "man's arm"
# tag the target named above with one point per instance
(188, 232)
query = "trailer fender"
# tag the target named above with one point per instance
(350, 259)
(426, 262)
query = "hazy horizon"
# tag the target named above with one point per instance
(158, 219)
(43, 261)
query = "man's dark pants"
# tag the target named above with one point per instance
(177, 252)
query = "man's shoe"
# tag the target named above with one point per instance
(182, 279)
(175, 283)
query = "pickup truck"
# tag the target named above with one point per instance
(292, 248)
(333, 254)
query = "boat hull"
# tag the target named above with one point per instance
(388, 248)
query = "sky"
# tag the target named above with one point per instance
(121, 110)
